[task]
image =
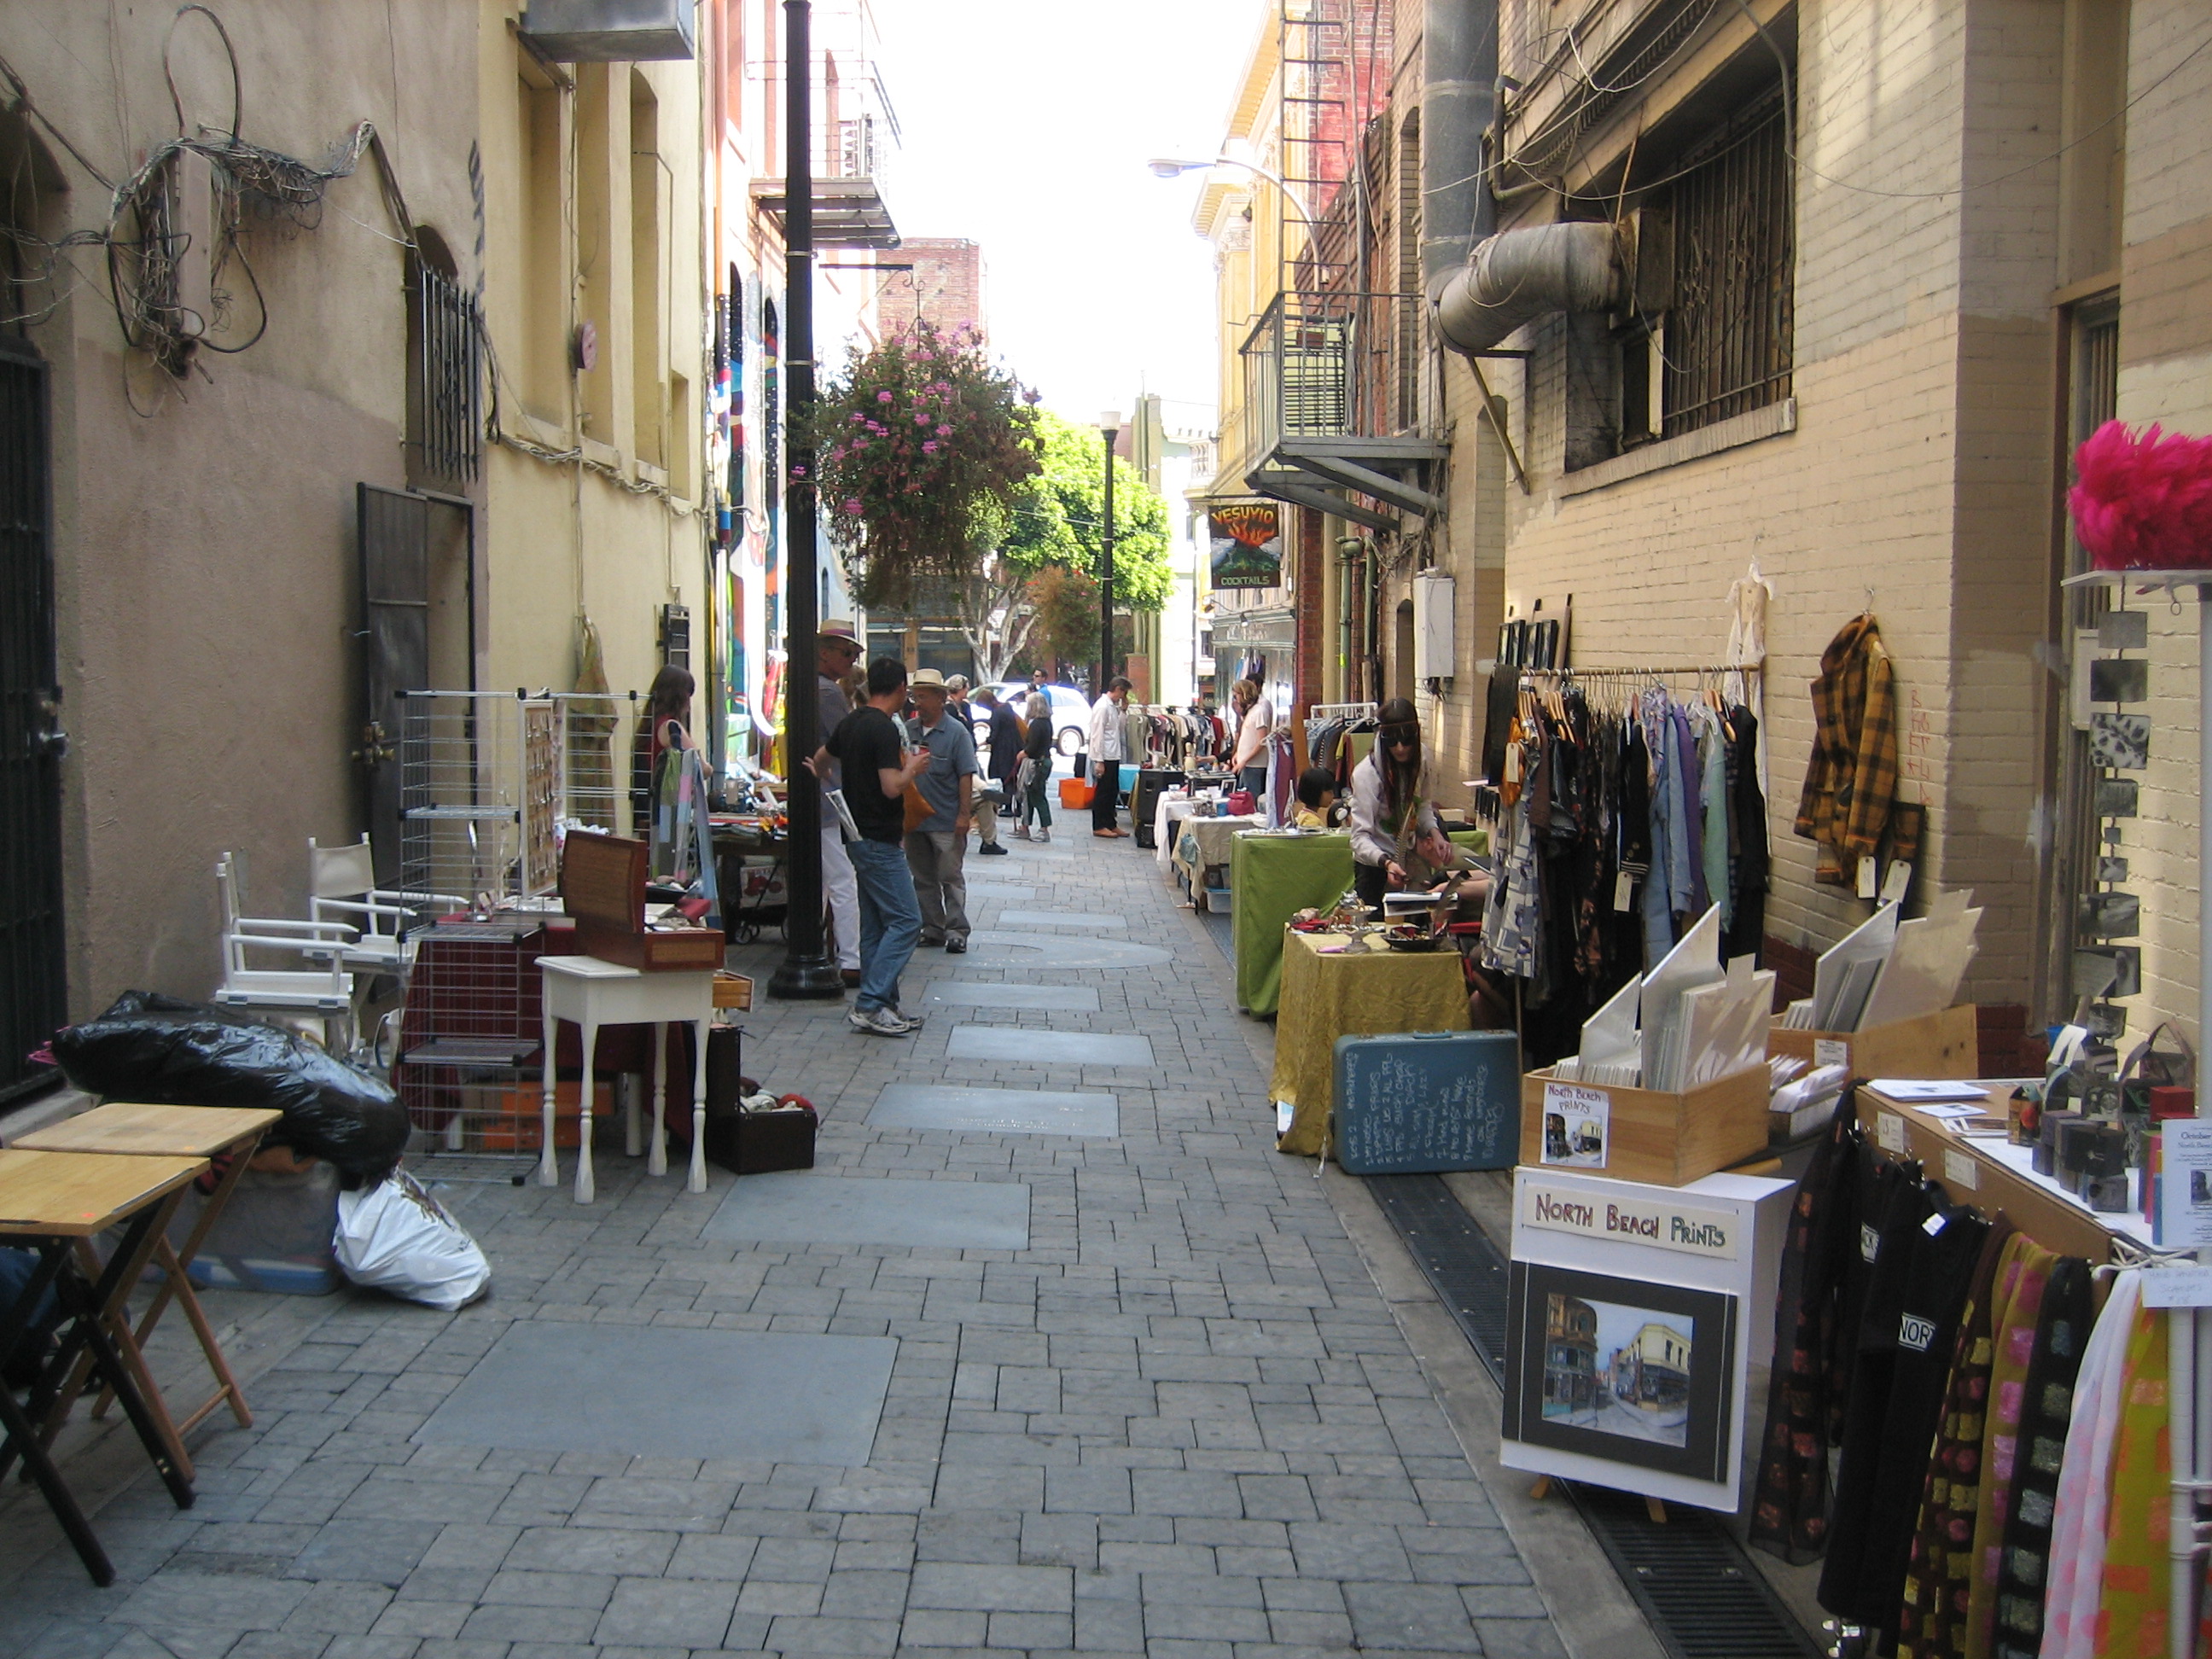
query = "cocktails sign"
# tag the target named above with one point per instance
(1245, 540)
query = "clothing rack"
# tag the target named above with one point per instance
(1642, 672)
(1340, 711)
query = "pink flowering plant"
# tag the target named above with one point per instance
(920, 447)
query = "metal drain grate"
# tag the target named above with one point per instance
(1460, 1262)
(1702, 1595)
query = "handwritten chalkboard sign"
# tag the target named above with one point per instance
(1428, 1101)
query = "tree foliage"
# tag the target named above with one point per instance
(1054, 515)
(922, 447)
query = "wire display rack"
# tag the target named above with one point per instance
(486, 779)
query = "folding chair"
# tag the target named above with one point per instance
(324, 990)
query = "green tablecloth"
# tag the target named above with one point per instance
(1273, 876)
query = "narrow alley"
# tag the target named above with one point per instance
(1131, 1390)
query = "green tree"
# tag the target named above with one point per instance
(1045, 563)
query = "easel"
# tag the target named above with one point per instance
(1654, 1507)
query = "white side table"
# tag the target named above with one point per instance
(591, 993)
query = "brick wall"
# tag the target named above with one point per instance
(1918, 476)
(946, 286)
(2166, 375)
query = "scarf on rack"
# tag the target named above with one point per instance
(2133, 1607)
(1852, 779)
(2024, 1561)
(1938, 1581)
(2022, 1279)
(1789, 1506)
(2085, 1487)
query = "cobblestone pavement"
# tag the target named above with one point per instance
(1181, 1423)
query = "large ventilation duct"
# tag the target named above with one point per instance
(1459, 97)
(1511, 280)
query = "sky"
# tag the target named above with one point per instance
(1026, 126)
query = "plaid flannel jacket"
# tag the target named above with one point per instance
(1853, 780)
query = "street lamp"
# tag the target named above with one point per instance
(1173, 167)
(1109, 428)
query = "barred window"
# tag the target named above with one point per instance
(1723, 344)
(443, 379)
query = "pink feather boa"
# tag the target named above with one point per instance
(2144, 502)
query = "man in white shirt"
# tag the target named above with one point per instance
(1107, 743)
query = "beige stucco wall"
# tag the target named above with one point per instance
(2166, 375)
(203, 552)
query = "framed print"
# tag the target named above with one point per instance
(2116, 798)
(2111, 869)
(2120, 741)
(1620, 1370)
(2119, 679)
(2123, 630)
(2107, 970)
(2111, 915)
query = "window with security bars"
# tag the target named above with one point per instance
(1723, 345)
(443, 378)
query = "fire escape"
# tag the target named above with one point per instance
(856, 133)
(1328, 364)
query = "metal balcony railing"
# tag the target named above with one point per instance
(1332, 366)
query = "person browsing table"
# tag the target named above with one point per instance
(937, 848)
(835, 650)
(869, 747)
(1108, 743)
(1393, 822)
(1037, 770)
(1255, 721)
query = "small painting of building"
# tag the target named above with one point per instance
(1570, 1377)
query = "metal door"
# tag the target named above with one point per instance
(394, 538)
(33, 997)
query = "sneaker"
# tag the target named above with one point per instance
(913, 1022)
(990, 847)
(1021, 832)
(955, 947)
(1043, 836)
(877, 1022)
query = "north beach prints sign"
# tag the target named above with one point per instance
(1662, 1224)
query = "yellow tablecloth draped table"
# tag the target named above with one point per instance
(1327, 996)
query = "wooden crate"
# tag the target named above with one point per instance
(1667, 1139)
(603, 887)
(1944, 1045)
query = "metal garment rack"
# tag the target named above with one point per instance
(2188, 1444)
(1340, 711)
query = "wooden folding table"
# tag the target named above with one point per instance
(55, 1201)
(140, 1130)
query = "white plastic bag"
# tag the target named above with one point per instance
(395, 1236)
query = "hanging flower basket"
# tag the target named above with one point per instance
(2143, 502)
(918, 445)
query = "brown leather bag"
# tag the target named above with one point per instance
(919, 811)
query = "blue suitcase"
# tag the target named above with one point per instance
(1428, 1101)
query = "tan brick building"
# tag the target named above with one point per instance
(1871, 261)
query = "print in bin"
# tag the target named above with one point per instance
(1576, 1123)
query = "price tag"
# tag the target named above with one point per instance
(1958, 1169)
(1866, 878)
(1829, 1051)
(1889, 1132)
(1284, 1113)
(1623, 891)
(1895, 880)
(2176, 1287)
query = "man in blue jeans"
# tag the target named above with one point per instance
(877, 768)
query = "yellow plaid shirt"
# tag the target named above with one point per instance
(1853, 780)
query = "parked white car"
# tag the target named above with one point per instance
(1071, 712)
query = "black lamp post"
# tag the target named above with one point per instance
(807, 969)
(1110, 426)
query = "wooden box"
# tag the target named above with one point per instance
(1945, 1045)
(603, 889)
(1666, 1140)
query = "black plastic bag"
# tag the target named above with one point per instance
(164, 1050)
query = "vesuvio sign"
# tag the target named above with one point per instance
(1662, 1225)
(1245, 544)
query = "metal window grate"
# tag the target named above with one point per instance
(1728, 336)
(447, 377)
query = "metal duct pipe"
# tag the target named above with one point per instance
(1459, 100)
(1512, 279)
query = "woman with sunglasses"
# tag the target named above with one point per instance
(1393, 822)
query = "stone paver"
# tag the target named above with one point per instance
(1182, 1422)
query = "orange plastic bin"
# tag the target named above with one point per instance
(1075, 793)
